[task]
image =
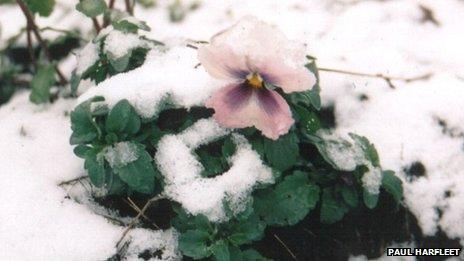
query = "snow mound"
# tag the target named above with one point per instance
(173, 73)
(161, 244)
(199, 195)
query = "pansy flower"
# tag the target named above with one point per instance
(255, 59)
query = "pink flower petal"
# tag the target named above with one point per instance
(290, 79)
(221, 62)
(239, 106)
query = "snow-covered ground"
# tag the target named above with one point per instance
(420, 121)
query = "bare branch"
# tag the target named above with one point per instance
(96, 25)
(136, 218)
(285, 246)
(386, 78)
(72, 181)
(43, 44)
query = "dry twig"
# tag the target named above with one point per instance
(387, 78)
(72, 181)
(42, 43)
(285, 246)
(136, 218)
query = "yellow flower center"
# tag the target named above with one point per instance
(255, 80)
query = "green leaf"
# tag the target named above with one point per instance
(81, 150)
(247, 231)
(42, 7)
(220, 251)
(228, 148)
(123, 119)
(194, 243)
(332, 209)
(41, 84)
(368, 148)
(282, 153)
(289, 202)
(314, 94)
(350, 195)
(393, 185)
(140, 174)
(91, 8)
(120, 64)
(252, 255)
(85, 129)
(74, 82)
(370, 200)
(308, 119)
(130, 25)
(95, 166)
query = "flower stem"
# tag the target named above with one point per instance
(387, 78)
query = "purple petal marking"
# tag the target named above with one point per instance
(236, 97)
(239, 74)
(269, 78)
(267, 101)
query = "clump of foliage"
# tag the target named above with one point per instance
(308, 181)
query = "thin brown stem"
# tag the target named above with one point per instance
(285, 246)
(136, 218)
(72, 181)
(138, 210)
(30, 47)
(96, 25)
(111, 4)
(129, 7)
(387, 78)
(43, 44)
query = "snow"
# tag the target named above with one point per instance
(166, 74)
(121, 154)
(366, 36)
(348, 155)
(36, 216)
(87, 57)
(206, 196)
(141, 240)
(118, 43)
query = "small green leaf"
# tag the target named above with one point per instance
(393, 185)
(120, 64)
(252, 255)
(308, 119)
(123, 119)
(81, 150)
(130, 25)
(194, 243)
(75, 80)
(247, 231)
(289, 202)
(368, 148)
(85, 129)
(282, 153)
(91, 8)
(350, 195)
(42, 7)
(314, 94)
(95, 166)
(41, 84)
(228, 148)
(370, 200)
(139, 174)
(332, 209)
(220, 251)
